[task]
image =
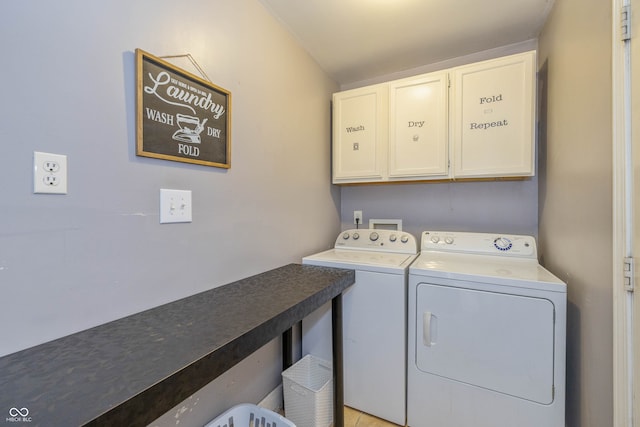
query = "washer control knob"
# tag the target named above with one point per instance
(448, 240)
(374, 236)
(393, 237)
(404, 238)
(356, 236)
(435, 239)
(345, 236)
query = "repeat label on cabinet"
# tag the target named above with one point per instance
(493, 117)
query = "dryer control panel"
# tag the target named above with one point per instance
(510, 245)
(377, 240)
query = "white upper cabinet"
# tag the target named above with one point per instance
(493, 116)
(360, 134)
(418, 128)
(473, 121)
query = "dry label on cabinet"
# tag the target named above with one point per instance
(418, 127)
(493, 117)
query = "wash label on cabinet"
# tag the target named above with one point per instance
(357, 135)
(355, 128)
(355, 145)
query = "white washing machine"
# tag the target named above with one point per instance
(374, 319)
(487, 331)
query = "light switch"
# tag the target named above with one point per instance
(175, 206)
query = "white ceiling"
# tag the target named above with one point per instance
(355, 40)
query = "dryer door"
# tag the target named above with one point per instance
(496, 341)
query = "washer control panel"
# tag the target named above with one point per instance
(479, 243)
(378, 240)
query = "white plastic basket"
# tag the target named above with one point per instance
(308, 392)
(248, 415)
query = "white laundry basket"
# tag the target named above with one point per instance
(308, 392)
(248, 415)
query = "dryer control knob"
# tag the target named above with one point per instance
(374, 236)
(404, 238)
(356, 236)
(393, 237)
(345, 236)
(448, 240)
(502, 244)
(435, 239)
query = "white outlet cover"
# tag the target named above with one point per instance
(49, 173)
(175, 206)
(358, 215)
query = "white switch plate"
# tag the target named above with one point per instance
(49, 173)
(175, 206)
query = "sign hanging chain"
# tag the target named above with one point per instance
(193, 61)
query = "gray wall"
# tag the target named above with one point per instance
(576, 195)
(502, 206)
(99, 253)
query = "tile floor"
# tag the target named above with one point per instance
(355, 418)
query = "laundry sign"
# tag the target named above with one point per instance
(181, 117)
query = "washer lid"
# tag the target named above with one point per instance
(362, 260)
(521, 272)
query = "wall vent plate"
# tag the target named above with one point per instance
(386, 224)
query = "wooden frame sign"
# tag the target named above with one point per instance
(180, 116)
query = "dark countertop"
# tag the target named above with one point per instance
(133, 370)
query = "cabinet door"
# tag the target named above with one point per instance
(360, 134)
(418, 127)
(493, 117)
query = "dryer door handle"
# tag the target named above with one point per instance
(429, 328)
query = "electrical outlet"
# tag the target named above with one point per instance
(175, 206)
(49, 173)
(357, 217)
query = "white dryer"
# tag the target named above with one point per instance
(487, 332)
(374, 319)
